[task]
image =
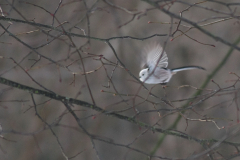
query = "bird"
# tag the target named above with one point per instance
(155, 67)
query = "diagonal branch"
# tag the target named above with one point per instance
(193, 24)
(67, 101)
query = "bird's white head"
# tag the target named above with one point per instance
(143, 74)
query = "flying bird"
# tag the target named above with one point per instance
(155, 67)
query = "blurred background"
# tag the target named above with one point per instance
(84, 66)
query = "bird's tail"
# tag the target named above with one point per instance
(175, 70)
